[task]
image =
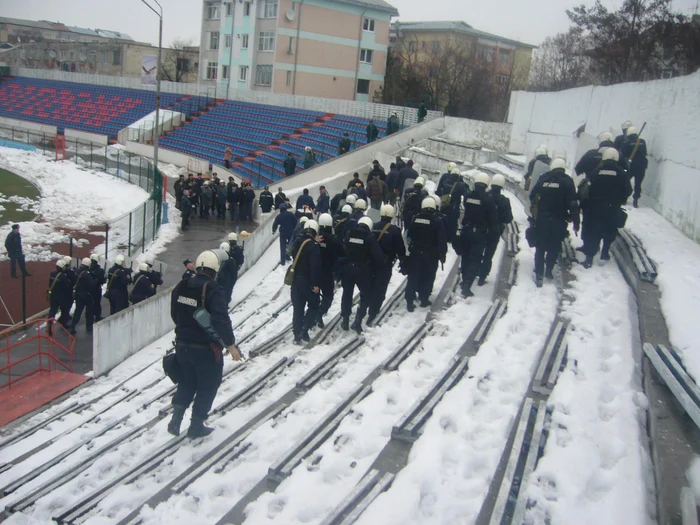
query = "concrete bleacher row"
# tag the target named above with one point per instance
(260, 136)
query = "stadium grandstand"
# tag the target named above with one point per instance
(259, 136)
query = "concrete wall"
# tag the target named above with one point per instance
(478, 133)
(669, 107)
(26, 125)
(84, 136)
(122, 335)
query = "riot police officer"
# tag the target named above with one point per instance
(155, 276)
(332, 253)
(342, 222)
(427, 247)
(362, 257)
(554, 202)
(143, 286)
(306, 285)
(99, 274)
(479, 227)
(451, 191)
(505, 217)
(118, 279)
(199, 351)
(609, 189)
(59, 294)
(413, 200)
(228, 272)
(236, 253)
(537, 167)
(391, 242)
(83, 295)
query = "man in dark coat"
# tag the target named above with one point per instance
(266, 200)
(372, 131)
(178, 187)
(118, 279)
(305, 293)
(13, 245)
(82, 292)
(280, 198)
(422, 111)
(143, 287)
(286, 222)
(391, 242)
(324, 201)
(185, 210)
(337, 201)
(406, 173)
(355, 181)
(59, 294)
(290, 165)
(505, 217)
(634, 151)
(344, 144)
(98, 274)
(221, 198)
(305, 200)
(452, 192)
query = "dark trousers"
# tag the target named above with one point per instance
(550, 234)
(327, 291)
(84, 303)
(97, 303)
(638, 178)
(356, 275)
(376, 203)
(305, 303)
(284, 242)
(221, 210)
(452, 221)
(201, 378)
(14, 260)
(487, 259)
(64, 305)
(381, 283)
(204, 212)
(185, 220)
(233, 210)
(422, 269)
(473, 245)
(118, 301)
(600, 227)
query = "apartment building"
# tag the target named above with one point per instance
(320, 48)
(18, 31)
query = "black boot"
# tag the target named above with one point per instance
(297, 339)
(467, 292)
(548, 273)
(176, 421)
(635, 203)
(588, 262)
(481, 281)
(370, 319)
(357, 326)
(320, 323)
(425, 303)
(305, 336)
(345, 324)
(198, 429)
(410, 307)
(538, 281)
(605, 253)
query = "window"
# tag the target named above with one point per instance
(224, 72)
(366, 56)
(64, 55)
(263, 75)
(486, 54)
(422, 44)
(392, 39)
(368, 25)
(291, 46)
(92, 57)
(212, 68)
(213, 12)
(243, 73)
(270, 10)
(502, 80)
(504, 56)
(266, 41)
(435, 46)
(244, 42)
(183, 64)
(289, 78)
(362, 86)
(246, 8)
(104, 57)
(229, 9)
(228, 39)
(72, 56)
(117, 58)
(412, 46)
(214, 40)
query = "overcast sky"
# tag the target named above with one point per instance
(526, 20)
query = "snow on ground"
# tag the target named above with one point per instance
(511, 175)
(519, 159)
(594, 465)
(677, 259)
(71, 198)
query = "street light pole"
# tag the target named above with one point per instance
(156, 134)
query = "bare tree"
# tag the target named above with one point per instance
(561, 62)
(177, 61)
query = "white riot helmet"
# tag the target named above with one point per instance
(557, 163)
(437, 200)
(387, 210)
(360, 204)
(311, 225)
(351, 199)
(606, 136)
(541, 150)
(68, 259)
(303, 219)
(419, 181)
(346, 209)
(308, 148)
(224, 246)
(481, 178)
(631, 131)
(85, 262)
(498, 180)
(149, 260)
(119, 260)
(451, 166)
(143, 267)
(232, 236)
(366, 221)
(208, 259)
(611, 154)
(626, 125)
(455, 170)
(94, 257)
(428, 203)
(61, 263)
(325, 220)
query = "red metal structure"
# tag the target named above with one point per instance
(60, 146)
(34, 348)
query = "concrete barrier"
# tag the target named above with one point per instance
(122, 335)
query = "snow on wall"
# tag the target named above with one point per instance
(669, 107)
(478, 133)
